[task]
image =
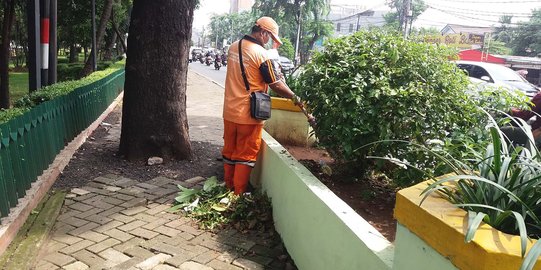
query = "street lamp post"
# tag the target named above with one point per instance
(299, 18)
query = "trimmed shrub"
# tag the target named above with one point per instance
(375, 86)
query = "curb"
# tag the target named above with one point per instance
(19, 214)
(208, 78)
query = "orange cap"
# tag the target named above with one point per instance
(270, 25)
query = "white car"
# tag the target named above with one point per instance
(498, 75)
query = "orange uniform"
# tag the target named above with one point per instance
(242, 133)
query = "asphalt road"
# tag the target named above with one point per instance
(208, 71)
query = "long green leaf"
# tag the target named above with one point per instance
(474, 220)
(531, 258)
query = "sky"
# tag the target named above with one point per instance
(440, 13)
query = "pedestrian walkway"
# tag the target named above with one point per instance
(114, 222)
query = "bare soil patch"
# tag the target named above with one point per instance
(371, 198)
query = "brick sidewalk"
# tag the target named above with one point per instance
(119, 223)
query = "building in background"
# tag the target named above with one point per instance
(348, 19)
(240, 5)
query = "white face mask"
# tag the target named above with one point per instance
(272, 53)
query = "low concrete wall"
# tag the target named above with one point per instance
(319, 230)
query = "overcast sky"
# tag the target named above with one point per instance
(442, 12)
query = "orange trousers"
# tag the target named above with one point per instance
(241, 145)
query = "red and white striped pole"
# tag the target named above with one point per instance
(44, 41)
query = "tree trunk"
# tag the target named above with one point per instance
(7, 22)
(104, 18)
(154, 119)
(73, 54)
(107, 56)
(120, 36)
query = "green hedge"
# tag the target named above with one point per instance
(52, 91)
(68, 72)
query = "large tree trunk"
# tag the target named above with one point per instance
(108, 55)
(104, 18)
(7, 22)
(120, 36)
(154, 120)
(73, 54)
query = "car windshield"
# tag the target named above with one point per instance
(284, 60)
(501, 73)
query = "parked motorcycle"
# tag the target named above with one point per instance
(201, 59)
(224, 61)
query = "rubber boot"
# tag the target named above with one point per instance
(241, 178)
(229, 171)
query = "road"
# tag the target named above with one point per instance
(209, 72)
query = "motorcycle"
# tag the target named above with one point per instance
(224, 61)
(201, 59)
(217, 64)
(208, 60)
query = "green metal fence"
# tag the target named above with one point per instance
(29, 143)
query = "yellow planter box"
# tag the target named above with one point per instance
(288, 125)
(442, 226)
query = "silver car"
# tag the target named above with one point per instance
(498, 75)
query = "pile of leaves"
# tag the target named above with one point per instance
(215, 207)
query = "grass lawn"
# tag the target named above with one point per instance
(18, 85)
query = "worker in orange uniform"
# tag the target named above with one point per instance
(242, 133)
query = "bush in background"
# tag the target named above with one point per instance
(375, 86)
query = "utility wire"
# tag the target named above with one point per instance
(480, 12)
(493, 1)
(459, 14)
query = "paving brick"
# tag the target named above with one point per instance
(219, 265)
(267, 252)
(129, 264)
(89, 213)
(134, 203)
(62, 229)
(132, 225)
(122, 218)
(189, 229)
(143, 233)
(112, 188)
(175, 224)
(87, 227)
(167, 215)
(149, 197)
(160, 181)
(53, 246)
(100, 246)
(88, 258)
(179, 259)
(240, 243)
(164, 267)
(76, 266)
(168, 249)
(160, 191)
(118, 234)
(206, 257)
(145, 217)
(157, 209)
(98, 218)
(67, 214)
(114, 256)
(229, 256)
(44, 265)
(76, 222)
(84, 197)
(133, 242)
(210, 242)
(259, 259)
(156, 223)
(167, 231)
(111, 211)
(194, 180)
(103, 205)
(193, 266)
(79, 191)
(59, 259)
(114, 201)
(82, 207)
(146, 186)
(123, 197)
(93, 236)
(104, 180)
(138, 252)
(93, 200)
(108, 226)
(76, 247)
(248, 264)
(124, 182)
(134, 191)
(67, 239)
(153, 261)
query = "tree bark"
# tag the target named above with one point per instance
(120, 36)
(104, 18)
(73, 54)
(7, 22)
(154, 119)
(107, 56)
